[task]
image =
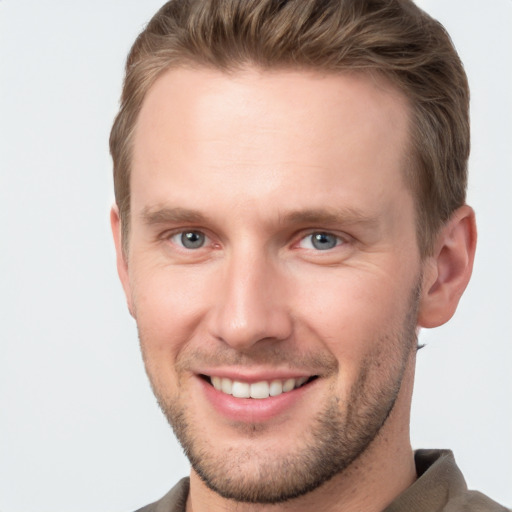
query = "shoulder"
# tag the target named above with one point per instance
(441, 487)
(438, 467)
(473, 501)
(174, 501)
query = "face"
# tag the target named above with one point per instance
(273, 270)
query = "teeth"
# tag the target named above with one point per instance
(226, 386)
(288, 385)
(217, 383)
(241, 389)
(258, 390)
(300, 382)
(276, 388)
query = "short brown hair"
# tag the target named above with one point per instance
(391, 37)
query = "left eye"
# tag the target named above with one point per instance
(320, 241)
(190, 239)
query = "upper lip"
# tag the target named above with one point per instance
(251, 376)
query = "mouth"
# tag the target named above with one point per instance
(257, 390)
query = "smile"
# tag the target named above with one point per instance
(258, 390)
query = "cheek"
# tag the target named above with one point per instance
(354, 312)
(168, 306)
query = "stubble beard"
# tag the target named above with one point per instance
(338, 436)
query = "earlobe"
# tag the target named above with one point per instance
(448, 270)
(121, 260)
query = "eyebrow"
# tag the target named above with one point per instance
(156, 216)
(321, 216)
(329, 216)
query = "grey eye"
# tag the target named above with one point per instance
(192, 239)
(324, 241)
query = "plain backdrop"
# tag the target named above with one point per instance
(79, 427)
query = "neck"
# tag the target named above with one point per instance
(370, 483)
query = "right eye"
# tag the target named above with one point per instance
(190, 239)
(320, 241)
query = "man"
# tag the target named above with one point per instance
(290, 184)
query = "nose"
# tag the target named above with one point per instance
(252, 305)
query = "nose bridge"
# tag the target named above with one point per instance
(252, 305)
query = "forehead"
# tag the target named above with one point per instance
(251, 132)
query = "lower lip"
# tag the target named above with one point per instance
(253, 410)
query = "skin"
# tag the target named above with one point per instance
(257, 161)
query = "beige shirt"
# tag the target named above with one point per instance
(440, 487)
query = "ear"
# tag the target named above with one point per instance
(448, 270)
(121, 257)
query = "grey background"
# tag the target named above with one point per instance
(79, 427)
